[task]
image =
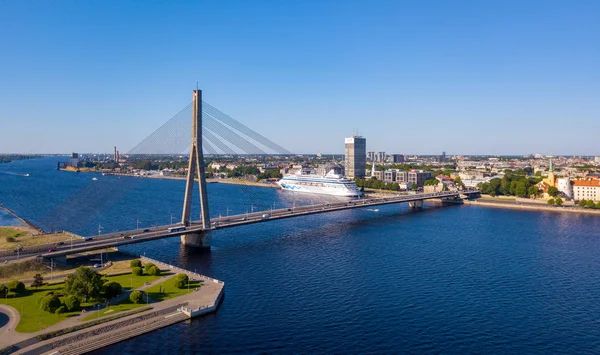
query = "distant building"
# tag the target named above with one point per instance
(355, 157)
(565, 187)
(401, 176)
(397, 158)
(586, 189)
(389, 175)
(74, 161)
(419, 177)
(371, 156)
(380, 157)
(442, 158)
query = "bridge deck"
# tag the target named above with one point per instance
(159, 232)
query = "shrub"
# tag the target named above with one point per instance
(135, 263)
(112, 289)
(50, 303)
(38, 280)
(590, 204)
(137, 271)
(582, 203)
(181, 281)
(60, 310)
(137, 296)
(551, 201)
(154, 271)
(3, 290)
(72, 303)
(147, 267)
(10, 239)
(558, 201)
(16, 287)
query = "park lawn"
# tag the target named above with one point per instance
(125, 305)
(127, 280)
(169, 290)
(26, 238)
(32, 317)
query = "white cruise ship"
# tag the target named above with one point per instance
(332, 183)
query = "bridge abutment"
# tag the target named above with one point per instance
(416, 204)
(196, 240)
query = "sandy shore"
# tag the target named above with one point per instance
(530, 207)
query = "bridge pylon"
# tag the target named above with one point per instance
(196, 164)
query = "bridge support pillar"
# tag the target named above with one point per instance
(416, 204)
(196, 240)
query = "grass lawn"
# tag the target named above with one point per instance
(126, 305)
(169, 290)
(32, 317)
(24, 236)
(127, 280)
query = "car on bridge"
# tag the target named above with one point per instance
(146, 230)
(59, 244)
(266, 215)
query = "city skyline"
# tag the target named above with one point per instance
(486, 79)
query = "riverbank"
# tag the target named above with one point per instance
(22, 222)
(208, 181)
(83, 333)
(516, 205)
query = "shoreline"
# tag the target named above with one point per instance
(22, 220)
(530, 207)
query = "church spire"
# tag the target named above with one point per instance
(550, 170)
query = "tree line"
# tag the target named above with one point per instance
(512, 184)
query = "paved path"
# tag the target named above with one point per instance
(162, 314)
(7, 333)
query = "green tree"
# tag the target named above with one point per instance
(135, 263)
(521, 188)
(558, 201)
(3, 290)
(181, 280)
(38, 281)
(553, 191)
(432, 182)
(551, 201)
(147, 267)
(582, 203)
(50, 303)
(112, 289)
(532, 191)
(154, 271)
(458, 182)
(60, 310)
(85, 284)
(598, 205)
(16, 286)
(137, 271)
(414, 187)
(590, 204)
(72, 303)
(137, 296)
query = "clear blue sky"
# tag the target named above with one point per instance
(465, 77)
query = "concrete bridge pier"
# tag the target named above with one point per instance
(416, 204)
(196, 240)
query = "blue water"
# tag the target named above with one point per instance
(457, 279)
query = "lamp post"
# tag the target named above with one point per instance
(22, 310)
(137, 226)
(41, 323)
(98, 306)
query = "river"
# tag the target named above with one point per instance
(455, 279)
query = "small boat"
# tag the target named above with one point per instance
(26, 175)
(373, 210)
(94, 179)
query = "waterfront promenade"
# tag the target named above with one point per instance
(204, 299)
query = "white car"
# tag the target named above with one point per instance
(266, 215)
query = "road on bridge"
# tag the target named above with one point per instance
(158, 232)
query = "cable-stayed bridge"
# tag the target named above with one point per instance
(214, 133)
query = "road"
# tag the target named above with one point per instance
(143, 235)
